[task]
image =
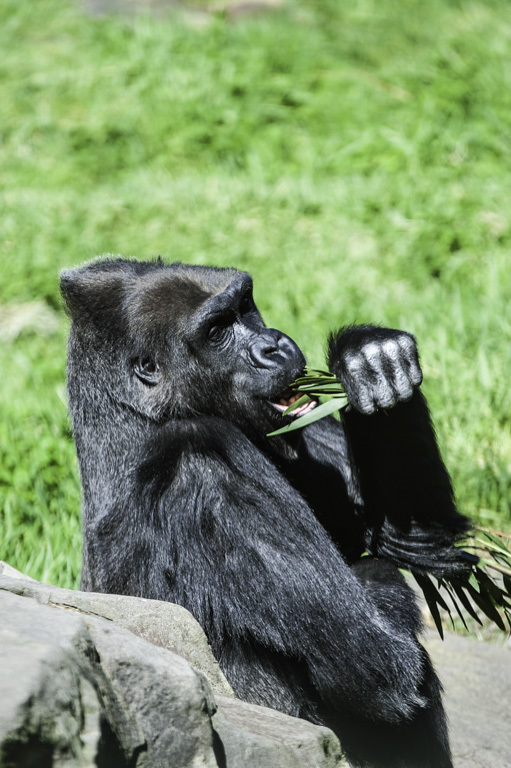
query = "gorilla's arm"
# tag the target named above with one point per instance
(221, 532)
(407, 494)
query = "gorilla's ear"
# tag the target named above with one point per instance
(146, 370)
(92, 293)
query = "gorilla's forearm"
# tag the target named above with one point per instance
(406, 489)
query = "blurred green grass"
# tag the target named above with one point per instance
(354, 157)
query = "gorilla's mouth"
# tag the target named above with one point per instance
(286, 399)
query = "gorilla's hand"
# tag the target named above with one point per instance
(378, 367)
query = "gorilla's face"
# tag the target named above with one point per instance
(222, 360)
(188, 341)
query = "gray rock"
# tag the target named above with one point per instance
(50, 713)
(170, 703)
(8, 570)
(164, 624)
(264, 738)
(80, 691)
(77, 690)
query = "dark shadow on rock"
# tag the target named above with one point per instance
(219, 750)
(32, 753)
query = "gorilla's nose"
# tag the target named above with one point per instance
(272, 348)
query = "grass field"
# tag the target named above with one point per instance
(354, 157)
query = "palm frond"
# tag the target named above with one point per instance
(485, 591)
(314, 384)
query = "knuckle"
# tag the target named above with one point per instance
(417, 376)
(390, 347)
(385, 395)
(402, 381)
(362, 400)
(373, 355)
(405, 393)
(406, 390)
(371, 349)
(367, 407)
(407, 342)
(354, 364)
(386, 401)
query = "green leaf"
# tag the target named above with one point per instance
(452, 595)
(498, 541)
(458, 586)
(473, 581)
(485, 603)
(301, 401)
(322, 410)
(494, 564)
(488, 586)
(321, 388)
(318, 382)
(301, 380)
(494, 545)
(432, 597)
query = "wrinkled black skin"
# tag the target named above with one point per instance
(171, 372)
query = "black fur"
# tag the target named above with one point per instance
(171, 376)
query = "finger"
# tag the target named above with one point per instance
(411, 357)
(398, 370)
(358, 384)
(383, 373)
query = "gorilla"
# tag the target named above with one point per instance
(286, 549)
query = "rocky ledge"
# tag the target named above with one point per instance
(121, 682)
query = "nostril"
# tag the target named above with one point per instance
(265, 348)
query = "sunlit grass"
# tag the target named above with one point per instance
(353, 157)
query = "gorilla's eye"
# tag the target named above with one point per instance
(147, 370)
(221, 325)
(148, 365)
(215, 332)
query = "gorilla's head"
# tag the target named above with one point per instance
(172, 341)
